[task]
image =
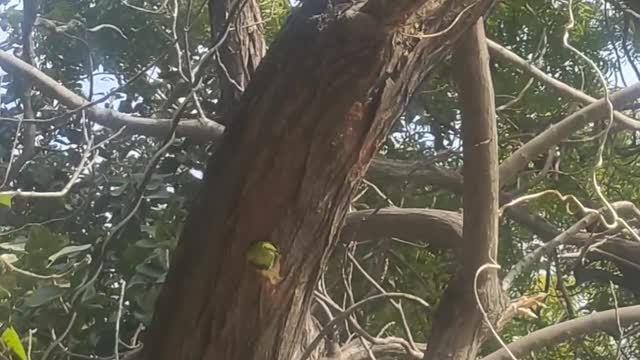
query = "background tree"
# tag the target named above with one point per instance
(105, 187)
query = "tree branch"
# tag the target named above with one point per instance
(511, 166)
(24, 87)
(572, 329)
(502, 53)
(339, 318)
(458, 324)
(194, 129)
(439, 229)
(407, 170)
(564, 237)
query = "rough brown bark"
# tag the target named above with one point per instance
(458, 323)
(306, 128)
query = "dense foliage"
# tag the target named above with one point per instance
(66, 259)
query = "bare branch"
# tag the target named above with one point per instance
(458, 312)
(58, 340)
(439, 229)
(347, 312)
(511, 166)
(406, 170)
(84, 164)
(24, 87)
(600, 321)
(591, 218)
(123, 287)
(396, 304)
(194, 129)
(504, 54)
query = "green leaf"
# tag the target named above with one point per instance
(68, 250)
(6, 200)
(11, 340)
(44, 242)
(151, 271)
(151, 244)
(43, 295)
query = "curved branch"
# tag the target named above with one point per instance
(510, 167)
(407, 170)
(576, 328)
(502, 53)
(458, 324)
(194, 129)
(571, 234)
(439, 229)
(348, 311)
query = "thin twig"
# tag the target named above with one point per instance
(347, 312)
(59, 339)
(620, 328)
(85, 163)
(30, 342)
(485, 316)
(14, 150)
(570, 199)
(395, 304)
(600, 154)
(546, 249)
(123, 286)
(379, 192)
(9, 232)
(158, 11)
(14, 268)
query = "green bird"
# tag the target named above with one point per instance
(265, 257)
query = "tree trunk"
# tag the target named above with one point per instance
(458, 325)
(305, 130)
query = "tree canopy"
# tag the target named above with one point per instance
(112, 111)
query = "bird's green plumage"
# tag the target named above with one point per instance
(265, 256)
(262, 254)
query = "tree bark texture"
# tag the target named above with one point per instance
(306, 128)
(457, 328)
